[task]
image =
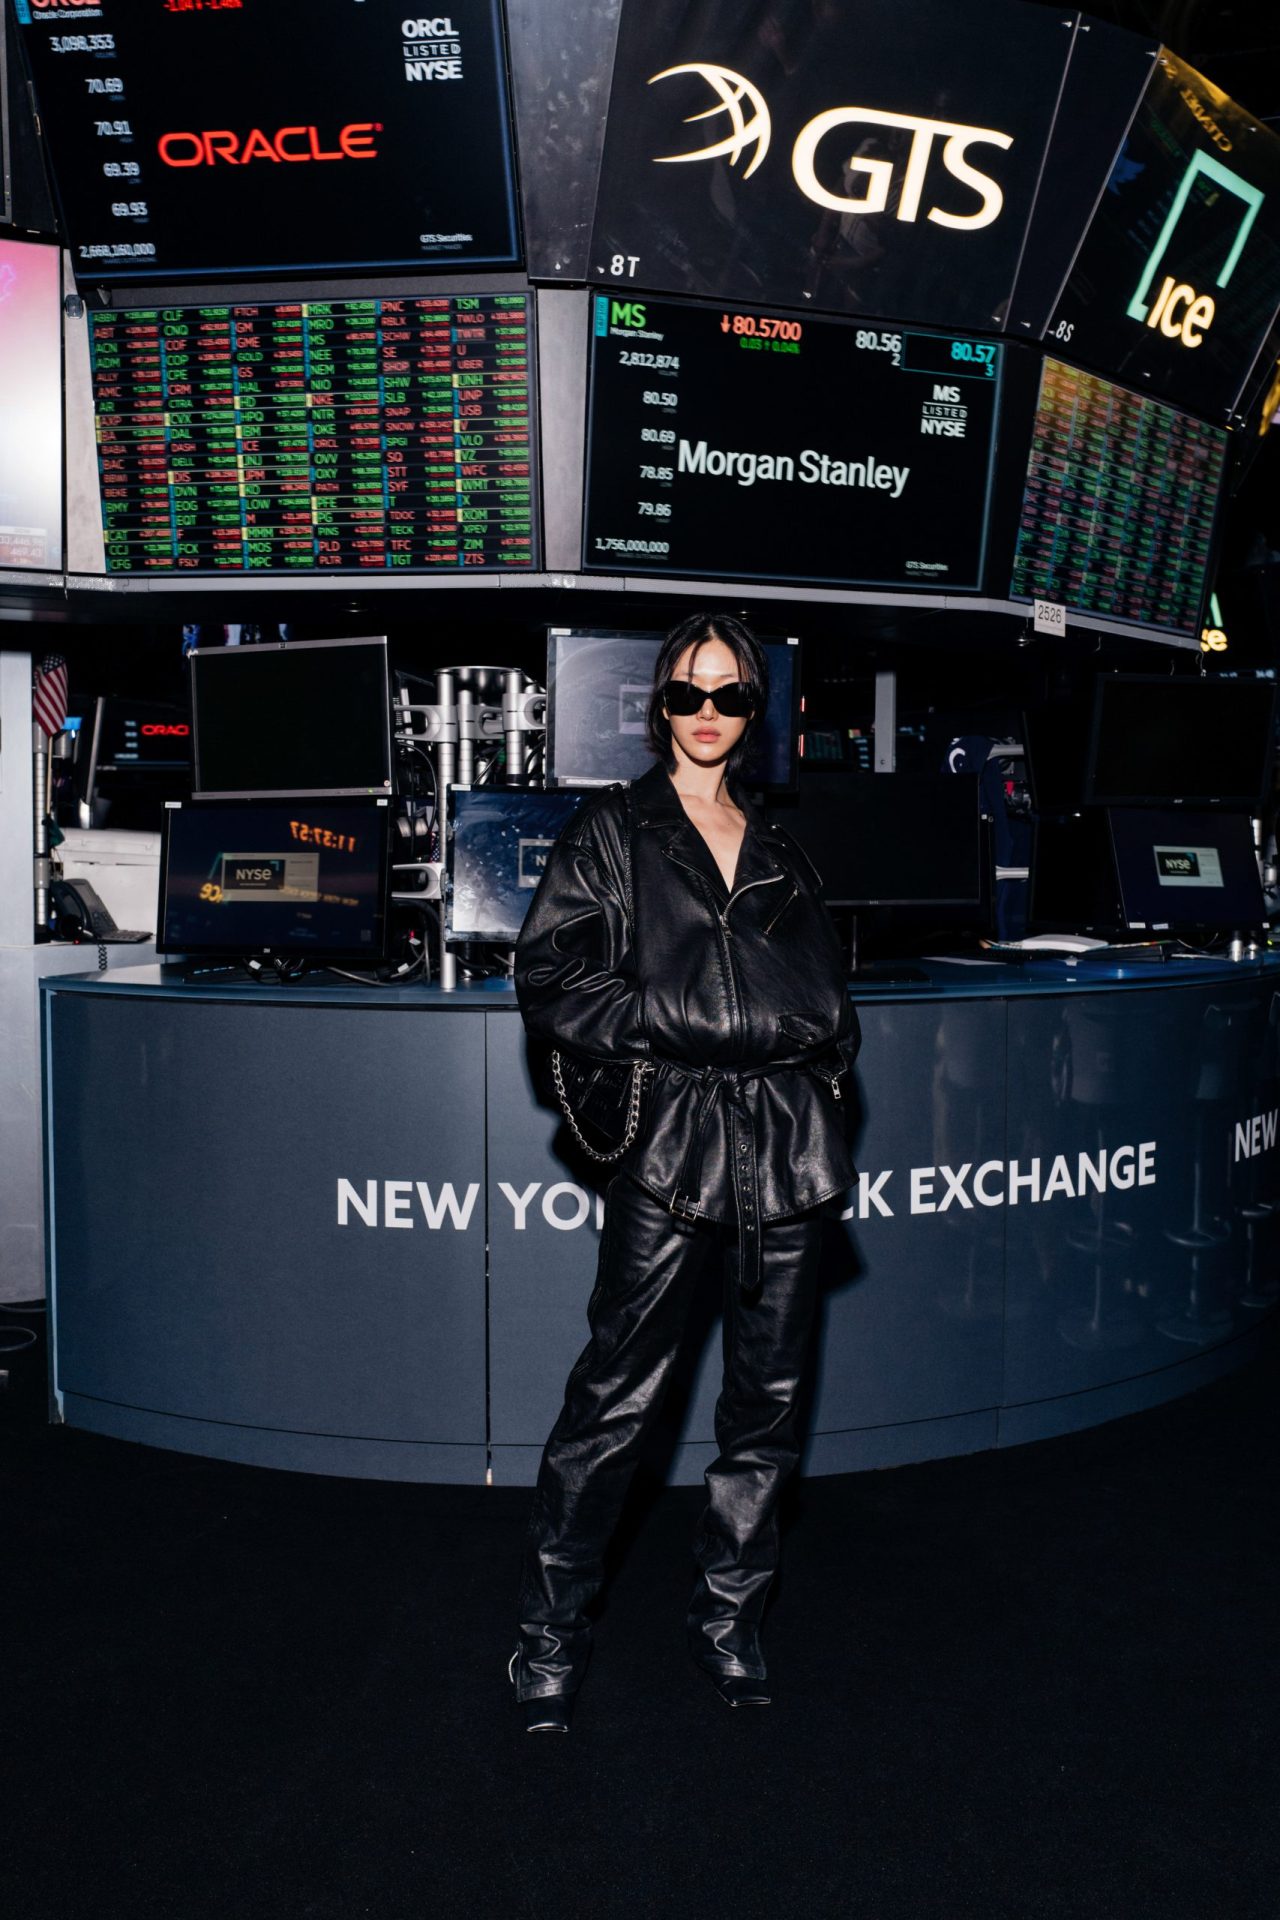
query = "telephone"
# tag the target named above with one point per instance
(81, 914)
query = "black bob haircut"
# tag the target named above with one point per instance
(753, 668)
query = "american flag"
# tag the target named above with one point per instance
(49, 694)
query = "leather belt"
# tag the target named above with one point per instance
(726, 1086)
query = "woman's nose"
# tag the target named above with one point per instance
(707, 711)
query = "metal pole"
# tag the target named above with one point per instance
(42, 869)
(513, 733)
(446, 776)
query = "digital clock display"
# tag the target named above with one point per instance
(387, 435)
(733, 444)
(204, 137)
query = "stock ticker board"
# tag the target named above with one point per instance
(363, 435)
(1119, 503)
(192, 138)
(732, 444)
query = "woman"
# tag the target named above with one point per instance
(677, 932)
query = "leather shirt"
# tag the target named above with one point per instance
(633, 949)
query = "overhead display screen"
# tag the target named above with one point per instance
(1119, 504)
(315, 435)
(853, 158)
(741, 445)
(1178, 276)
(199, 137)
(30, 405)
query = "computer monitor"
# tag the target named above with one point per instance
(296, 717)
(891, 839)
(598, 685)
(309, 879)
(132, 753)
(1186, 869)
(1160, 741)
(497, 842)
(1072, 882)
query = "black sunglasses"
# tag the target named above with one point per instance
(734, 701)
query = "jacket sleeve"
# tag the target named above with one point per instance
(575, 967)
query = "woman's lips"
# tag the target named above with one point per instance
(707, 733)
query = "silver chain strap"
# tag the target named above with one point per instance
(638, 1072)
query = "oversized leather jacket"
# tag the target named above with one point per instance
(634, 949)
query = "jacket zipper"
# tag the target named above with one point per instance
(793, 895)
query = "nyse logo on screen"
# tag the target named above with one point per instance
(868, 179)
(432, 49)
(943, 416)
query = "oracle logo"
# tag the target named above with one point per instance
(291, 145)
(54, 6)
(170, 729)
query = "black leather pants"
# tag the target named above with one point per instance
(649, 1265)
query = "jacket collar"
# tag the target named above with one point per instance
(657, 804)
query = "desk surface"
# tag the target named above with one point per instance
(947, 979)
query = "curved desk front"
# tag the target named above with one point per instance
(330, 1229)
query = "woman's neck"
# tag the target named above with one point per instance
(693, 782)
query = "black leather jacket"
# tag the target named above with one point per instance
(633, 949)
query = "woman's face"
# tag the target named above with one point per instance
(706, 737)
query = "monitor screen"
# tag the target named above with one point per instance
(30, 405)
(1071, 887)
(497, 845)
(379, 435)
(237, 137)
(891, 839)
(305, 716)
(140, 737)
(844, 155)
(1119, 503)
(1186, 869)
(745, 445)
(598, 687)
(300, 879)
(1178, 275)
(1159, 741)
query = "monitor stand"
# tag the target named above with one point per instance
(882, 973)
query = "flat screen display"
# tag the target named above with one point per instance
(1119, 503)
(735, 444)
(140, 737)
(598, 687)
(1178, 276)
(891, 839)
(1158, 741)
(305, 717)
(204, 137)
(308, 878)
(382, 435)
(30, 406)
(851, 157)
(496, 851)
(1072, 880)
(1186, 869)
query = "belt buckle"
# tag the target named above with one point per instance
(685, 1209)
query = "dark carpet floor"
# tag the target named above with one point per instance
(1039, 1683)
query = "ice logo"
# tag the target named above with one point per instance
(732, 90)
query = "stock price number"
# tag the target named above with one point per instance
(656, 509)
(659, 362)
(655, 473)
(760, 326)
(871, 340)
(659, 436)
(654, 397)
(981, 353)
